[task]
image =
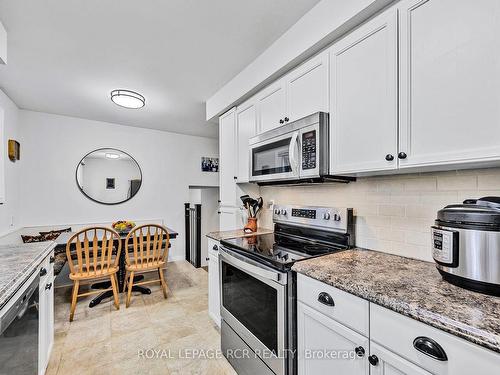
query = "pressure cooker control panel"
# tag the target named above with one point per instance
(445, 246)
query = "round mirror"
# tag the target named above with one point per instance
(108, 176)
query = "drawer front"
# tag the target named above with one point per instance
(213, 249)
(343, 307)
(397, 333)
(46, 265)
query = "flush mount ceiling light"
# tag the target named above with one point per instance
(110, 155)
(128, 99)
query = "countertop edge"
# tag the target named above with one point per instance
(25, 274)
(237, 233)
(421, 315)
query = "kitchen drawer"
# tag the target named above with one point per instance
(397, 333)
(349, 310)
(46, 264)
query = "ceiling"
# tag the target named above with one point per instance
(65, 56)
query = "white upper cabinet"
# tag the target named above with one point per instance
(246, 127)
(450, 81)
(227, 159)
(271, 104)
(307, 88)
(363, 109)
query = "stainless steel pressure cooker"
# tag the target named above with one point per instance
(466, 244)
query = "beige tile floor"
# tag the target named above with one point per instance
(103, 340)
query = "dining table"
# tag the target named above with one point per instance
(63, 239)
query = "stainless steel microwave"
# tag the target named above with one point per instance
(295, 151)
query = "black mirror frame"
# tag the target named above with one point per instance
(100, 149)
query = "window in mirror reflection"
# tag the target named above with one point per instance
(108, 176)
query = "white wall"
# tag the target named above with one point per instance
(53, 145)
(9, 211)
(392, 213)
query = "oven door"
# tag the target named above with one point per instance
(276, 159)
(253, 304)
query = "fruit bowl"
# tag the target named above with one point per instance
(123, 226)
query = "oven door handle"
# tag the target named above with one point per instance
(244, 265)
(291, 153)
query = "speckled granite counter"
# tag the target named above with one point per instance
(224, 235)
(17, 263)
(413, 288)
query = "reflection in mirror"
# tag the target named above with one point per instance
(108, 176)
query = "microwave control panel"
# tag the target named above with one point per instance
(309, 155)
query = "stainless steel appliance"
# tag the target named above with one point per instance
(466, 244)
(19, 331)
(258, 289)
(295, 151)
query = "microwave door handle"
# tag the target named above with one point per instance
(291, 152)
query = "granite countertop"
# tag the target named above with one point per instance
(226, 234)
(17, 263)
(413, 288)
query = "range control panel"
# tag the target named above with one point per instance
(332, 218)
(309, 150)
(445, 246)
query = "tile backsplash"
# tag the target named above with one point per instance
(392, 213)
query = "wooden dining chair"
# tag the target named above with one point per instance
(93, 254)
(149, 244)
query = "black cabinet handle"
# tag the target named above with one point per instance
(389, 157)
(218, 212)
(373, 359)
(235, 177)
(360, 351)
(282, 121)
(43, 271)
(326, 299)
(207, 259)
(430, 348)
(402, 155)
(215, 248)
(52, 259)
(287, 119)
(48, 286)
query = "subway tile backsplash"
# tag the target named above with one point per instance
(392, 213)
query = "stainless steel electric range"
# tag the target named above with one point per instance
(258, 288)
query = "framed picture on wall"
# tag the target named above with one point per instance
(110, 183)
(209, 164)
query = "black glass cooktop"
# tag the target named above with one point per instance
(280, 250)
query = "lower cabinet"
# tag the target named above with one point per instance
(385, 362)
(328, 347)
(394, 345)
(213, 281)
(46, 313)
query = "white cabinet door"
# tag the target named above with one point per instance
(46, 318)
(385, 362)
(246, 127)
(319, 336)
(363, 109)
(213, 281)
(449, 81)
(271, 104)
(307, 88)
(229, 218)
(227, 162)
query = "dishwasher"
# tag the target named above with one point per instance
(19, 330)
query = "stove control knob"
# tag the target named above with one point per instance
(277, 211)
(283, 211)
(336, 217)
(326, 216)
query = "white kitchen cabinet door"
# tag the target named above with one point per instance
(271, 103)
(385, 362)
(46, 316)
(246, 127)
(318, 335)
(227, 159)
(307, 88)
(363, 90)
(229, 218)
(213, 281)
(449, 82)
